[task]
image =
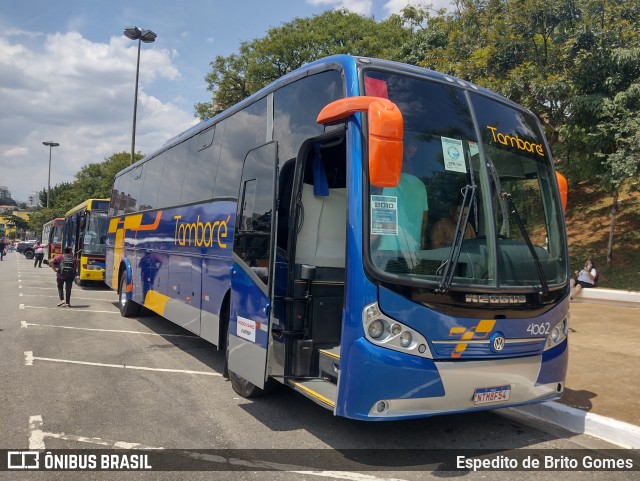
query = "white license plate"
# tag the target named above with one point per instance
(486, 395)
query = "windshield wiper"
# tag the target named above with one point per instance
(456, 244)
(505, 229)
(536, 260)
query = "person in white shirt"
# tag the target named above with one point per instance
(584, 278)
(38, 251)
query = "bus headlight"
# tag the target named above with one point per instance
(405, 339)
(558, 334)
(391, 334)
(376, 329)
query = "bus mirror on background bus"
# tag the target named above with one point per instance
(564, 189)
(385, 134)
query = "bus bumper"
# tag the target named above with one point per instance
(379, 384)
(92, 275)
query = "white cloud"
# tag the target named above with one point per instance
(363, 7)
(78, 93)
(16, 152)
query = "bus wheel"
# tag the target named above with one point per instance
(240, 385)
(127, 307)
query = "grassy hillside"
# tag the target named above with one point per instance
(588, 222)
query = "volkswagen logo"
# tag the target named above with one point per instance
(497, 342)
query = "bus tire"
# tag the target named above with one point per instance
(128, 308)
(240, 385)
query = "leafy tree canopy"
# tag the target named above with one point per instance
(303, 40)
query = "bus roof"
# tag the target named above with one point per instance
(343, 63)
(86, 205)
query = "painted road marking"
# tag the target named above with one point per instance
(29, 358)
(110, 299)
(73, 309)
(37, 435)
(25, 324)
(35, 287)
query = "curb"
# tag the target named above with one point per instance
(611, 297)
(616, 432)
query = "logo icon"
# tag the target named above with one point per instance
(23, 459)
(481, 331)
(497, 342)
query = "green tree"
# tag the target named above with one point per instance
(61, 196)
(295, 43)
(93, 181)
(575, 63)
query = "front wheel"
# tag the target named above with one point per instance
(128, 308)
(29, 255)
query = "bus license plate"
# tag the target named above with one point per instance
(491, 394)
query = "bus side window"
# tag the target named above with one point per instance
(202, 166)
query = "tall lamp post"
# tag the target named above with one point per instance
(146, 36)
(51, 145)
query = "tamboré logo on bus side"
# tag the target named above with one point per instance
(201, 234)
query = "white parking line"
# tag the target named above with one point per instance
(110, 299)
(35, 287)
(29, 358)
(25, 324)
(37, 435)
(73, 309)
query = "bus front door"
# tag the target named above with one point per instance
(252, 272)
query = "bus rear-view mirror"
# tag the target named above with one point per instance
(385, 134)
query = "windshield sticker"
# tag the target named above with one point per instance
(516, 142)
(384, 215)
(453, 155)
(375, 87)
(473, 148)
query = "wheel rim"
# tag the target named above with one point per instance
(123, 295)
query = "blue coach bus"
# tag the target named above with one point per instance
(387, 240)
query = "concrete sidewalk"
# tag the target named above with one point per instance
(602, 392)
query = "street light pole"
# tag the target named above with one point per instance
(51, 145)
(146, 36)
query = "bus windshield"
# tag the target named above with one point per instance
(477, 202)
(95, 232)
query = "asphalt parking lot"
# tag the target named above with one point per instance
(86, 378)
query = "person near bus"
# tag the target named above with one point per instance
(64, 264)
(38, 254)
(584, 278)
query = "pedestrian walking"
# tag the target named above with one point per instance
(3, 246)
(65, 266)
(38, 254)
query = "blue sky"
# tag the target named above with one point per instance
(67, 73)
